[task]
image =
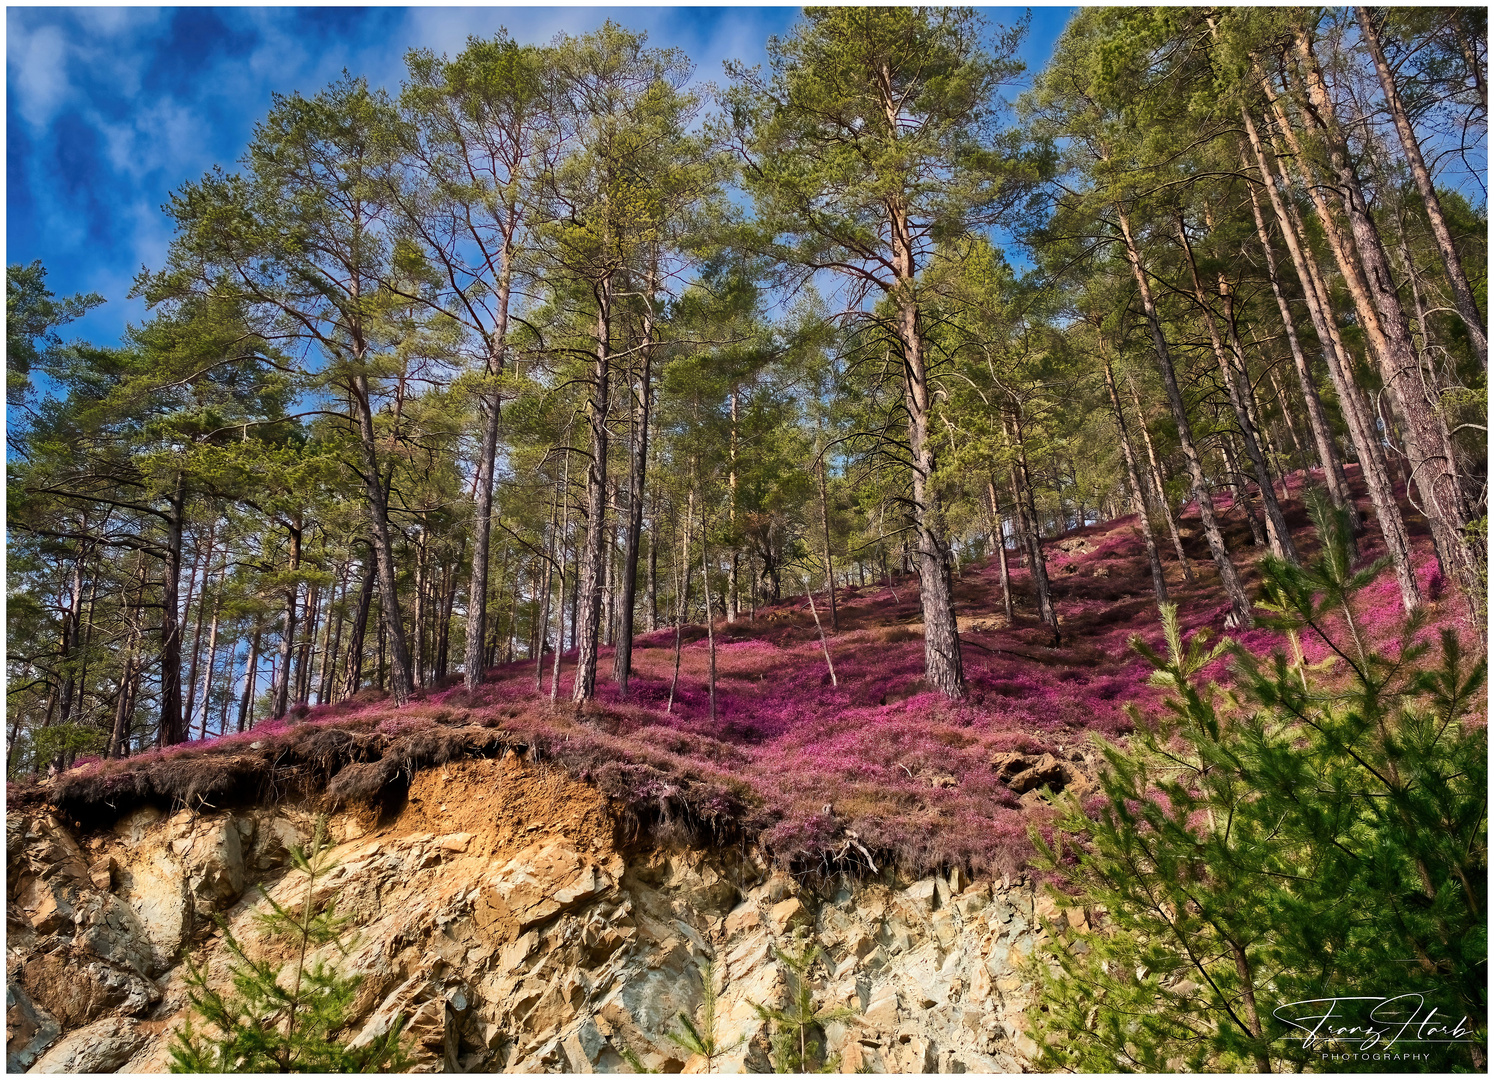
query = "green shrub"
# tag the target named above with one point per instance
(1320, 833)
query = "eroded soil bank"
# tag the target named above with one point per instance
(499, 911)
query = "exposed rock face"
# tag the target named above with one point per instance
(497, 914)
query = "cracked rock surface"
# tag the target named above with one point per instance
(497, 912)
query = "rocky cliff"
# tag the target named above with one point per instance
(498, 912)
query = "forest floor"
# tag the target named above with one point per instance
(875, 769)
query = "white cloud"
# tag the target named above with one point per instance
(37, 71)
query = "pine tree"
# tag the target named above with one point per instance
(704, 1038)
(798, 1039)
(263, 1026)
(1320, 833)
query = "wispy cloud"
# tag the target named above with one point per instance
(111, 108)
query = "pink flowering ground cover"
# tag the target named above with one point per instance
(805, 767)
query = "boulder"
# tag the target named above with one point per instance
(273, 842)
(212, 854)
(108, 928)
(101, 1047)
(29, 1029)
(77, 989)
(155, 888)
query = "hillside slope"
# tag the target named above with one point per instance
(873, 771)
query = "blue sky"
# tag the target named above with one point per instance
(110, 109)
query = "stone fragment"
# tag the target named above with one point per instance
(743, 919)
(881, 1014)
(101, 1047)
(715, 898)
(48, 903)
(787, 914)
(585, 1049)
(860, 943)
(273, 843)
(29, 1029)
(101, 873)
(923, 893)
(1045, 909)
(973, 901)
(942, 892)
(778, 886)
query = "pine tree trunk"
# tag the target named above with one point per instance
(323, 622)
(623, 657)
(200, 562)
(653, 566)
(402, 682)
(1300, 458)
(71, 620)
(1361, 429)
(172, 726)
(542, 619)
(418, 615)
(302, 684)
(1280, 537)
(829, 557)
(280, 687)
(589, 587)
(1138, 493)
(1463, 296)
(449, 576)
(228, 680)
(482, 518)
(733, 600)
(325, 689)
(1234, 588)
(212, 655)
(1000, 533)
(124, 705)
(1333, 468)
(943, 665)
(1239, 486)
(1444, 503)
(251, 677)
(1028, 528)
(705, 584)
(682, 591)
(359, 631)
(129, 678)
(1159, 485)
(609, 571)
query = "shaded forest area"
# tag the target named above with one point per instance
(560, 350)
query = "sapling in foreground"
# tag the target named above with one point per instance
(1318, 833)
(264, 1025)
